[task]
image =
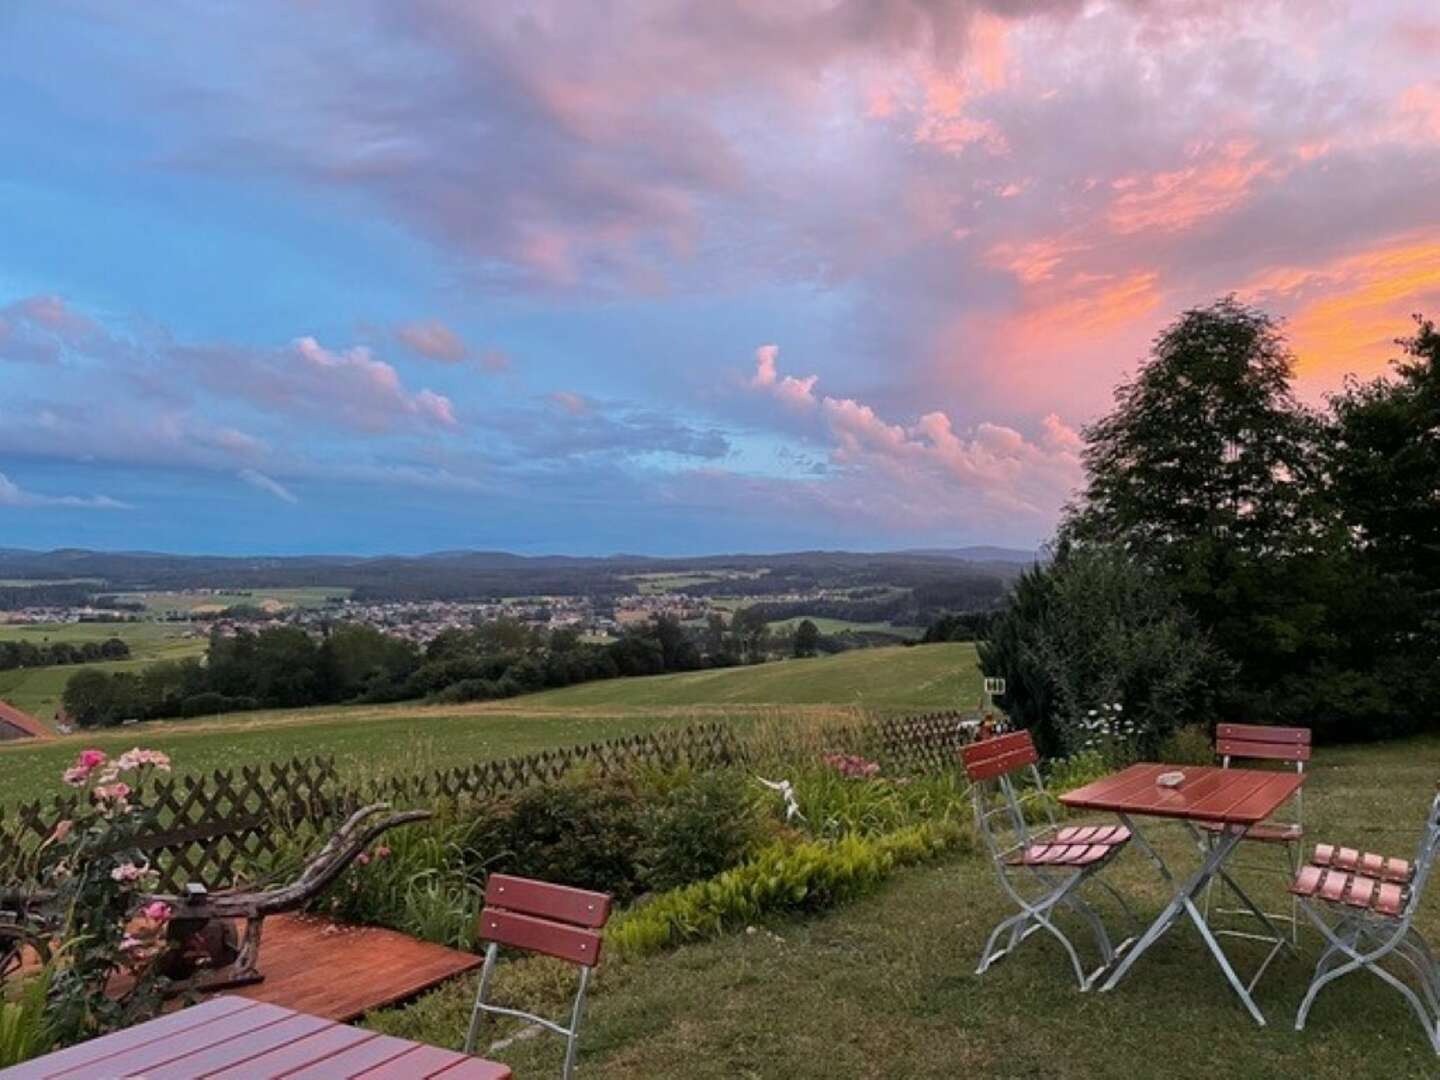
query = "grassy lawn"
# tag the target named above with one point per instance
(886, 987)
(409, 736)
(895, 678)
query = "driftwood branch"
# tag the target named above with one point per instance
(339, 852)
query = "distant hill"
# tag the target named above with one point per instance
(975, 578)
(982, 553)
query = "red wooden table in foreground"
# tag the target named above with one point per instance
(236, 1039)
(1235, 799)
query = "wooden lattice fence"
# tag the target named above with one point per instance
(218, 828)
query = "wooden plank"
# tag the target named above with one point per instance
(1262, 751)
(315, 1051)
(88, 1053)
(475, 1069)
(1265, 799)
(421, 1061)
(152, 1054)
(541, 935)
(241, 1048)
(349, 1062)
(1295, 736)
(530, 897)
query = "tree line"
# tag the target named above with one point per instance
(1236, 554)
(286, 667)
(28, 654)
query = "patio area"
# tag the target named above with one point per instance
(886, 986)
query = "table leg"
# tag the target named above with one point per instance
(1183, 901)
(1275, 935)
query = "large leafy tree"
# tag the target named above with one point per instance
(1385, 470)
(1211, 472)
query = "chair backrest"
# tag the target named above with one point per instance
(1426, 853)
(1000, 756)
(991, 765)
(536, 916)
(1260, 742)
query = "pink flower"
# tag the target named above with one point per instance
(118, 792)
(130, 943)
(382, 852)
(88, 759)
(75, 776)
(62, 830)
(363, 858)
(157, 910)
(137, 758)
(127, 871)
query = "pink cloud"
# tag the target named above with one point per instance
(1219, 179)
(433, 339)
(568, 401)
(796, 393)
(937, 469)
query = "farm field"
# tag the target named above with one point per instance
(214, 600)
(840, 626)
(38, 690)
(897, 678)
(410, 736)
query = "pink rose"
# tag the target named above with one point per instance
(382, 852)
(362, 858)
(157, 910)
(127, 871)
(62, 829)
(90, 758)
(76, 776)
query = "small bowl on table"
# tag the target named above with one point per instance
(1172, 779)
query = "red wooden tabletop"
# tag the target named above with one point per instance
(235, 1038)
(1208, 793)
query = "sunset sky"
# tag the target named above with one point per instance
(663, 276)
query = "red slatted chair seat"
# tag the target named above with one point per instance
(1385, 898)
(1062, 854)
(1109, 835)
(1398, 871)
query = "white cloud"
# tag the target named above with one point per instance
(12, 494)
(264, 483)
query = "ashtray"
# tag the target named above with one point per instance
(1170, 779)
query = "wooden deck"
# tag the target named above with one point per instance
(340, 972)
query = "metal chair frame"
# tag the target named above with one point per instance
(1236, 742)
(1360, 939)
(996, 797)
(536, 916)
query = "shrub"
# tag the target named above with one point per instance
(695, 825)
(584, 831)
(785, 877)
(1188, 745)
(835, 805)
(1095, 627)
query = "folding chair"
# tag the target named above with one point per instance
(1259, 742)
(538, 917)
(1041, 868)
(1371, 902)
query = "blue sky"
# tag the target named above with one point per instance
(669, 276)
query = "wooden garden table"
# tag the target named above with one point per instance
(237, 1039)
(1234, 800)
